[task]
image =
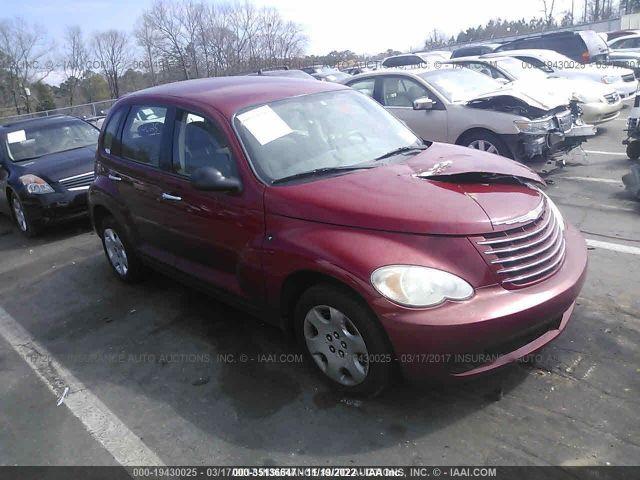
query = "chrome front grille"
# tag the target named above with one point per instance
(565, 120)
(77, 182)
(612, 97)
(630, 77)
(528, 254)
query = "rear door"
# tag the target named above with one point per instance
(397, 93)
(144, 145)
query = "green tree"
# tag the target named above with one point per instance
(44, 96)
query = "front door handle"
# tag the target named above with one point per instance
(173, 198)
(115, 178)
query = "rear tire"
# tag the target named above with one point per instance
(343, 340)
(633, 150)
(487, 142)
(124, 261)
(22, 220)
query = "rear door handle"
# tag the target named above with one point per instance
(115, 178)
(173, 198)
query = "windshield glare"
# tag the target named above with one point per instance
(521, 70)
(35, 141)
(323, 130)
(460, 83)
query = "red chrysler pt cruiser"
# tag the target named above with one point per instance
(308, 204)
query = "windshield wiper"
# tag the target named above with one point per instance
(400, 150)
(319, 171)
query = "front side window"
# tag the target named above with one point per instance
(327, 130)
(199, 143)
(30, 142)
(365, 86)
(142, 134)
(401, 92)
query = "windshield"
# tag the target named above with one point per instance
(28, 142)
(556, 60)
(520, 70)
(328, 130)
(460, 83)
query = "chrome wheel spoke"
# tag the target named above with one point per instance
(115, 251)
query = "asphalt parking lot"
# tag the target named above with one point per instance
(184, 379)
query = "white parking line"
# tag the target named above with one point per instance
(101, 423)
(593, 179)
(615, 247)
(600, 152)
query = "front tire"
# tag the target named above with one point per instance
(21, 218)
(122, 258)
(343, 340)
(486, 142)
(633, 150)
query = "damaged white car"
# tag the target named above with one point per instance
(460, 106)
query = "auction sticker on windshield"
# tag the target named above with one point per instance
(264, 124)
(16, 137)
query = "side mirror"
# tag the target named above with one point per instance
(424, 103)
(210, 179)
(501, 80)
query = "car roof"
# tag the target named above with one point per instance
(624, 37)
(37, 121)
(534, 52)
(230, 94)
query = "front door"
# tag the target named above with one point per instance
(397, 94)
(217, 235)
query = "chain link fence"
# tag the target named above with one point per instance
(84, 111)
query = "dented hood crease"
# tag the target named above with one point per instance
(400, 196)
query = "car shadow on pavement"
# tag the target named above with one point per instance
(12, 238)
(180, 358)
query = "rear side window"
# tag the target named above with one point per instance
(142, 134)
(110, 142)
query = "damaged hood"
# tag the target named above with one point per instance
(446, 190)
(540, 99)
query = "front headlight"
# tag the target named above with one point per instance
(35, 185)
(415, 286)
(610, 79)
(541, 126)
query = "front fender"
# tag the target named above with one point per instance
(350, 255)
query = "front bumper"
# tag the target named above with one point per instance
(600, 112)
(55, 207)
(626, 90)
(494, 328)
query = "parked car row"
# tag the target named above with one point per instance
(383, 221)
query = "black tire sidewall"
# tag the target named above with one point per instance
(381, 356)
(633, 150)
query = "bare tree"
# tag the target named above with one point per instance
(166, 20)
(147, 39)
(112, 50)
(74, 59)
(548, 6)
(25, 51)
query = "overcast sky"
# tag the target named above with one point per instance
(364, 26)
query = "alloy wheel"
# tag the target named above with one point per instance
(18, 211)
(336, 345)
(116, 251)
(484, 146)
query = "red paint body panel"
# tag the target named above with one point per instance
(345, 227)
